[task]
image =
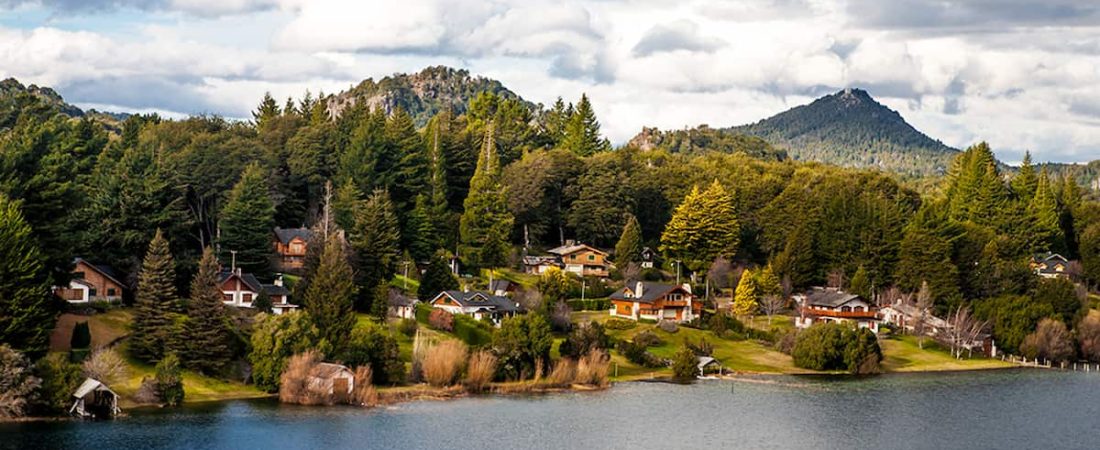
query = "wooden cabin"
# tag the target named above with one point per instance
(332, 379)
(835, 305)
(291, 245)
(583, 260)
(94, 400)
(656, 301)
(91, 283)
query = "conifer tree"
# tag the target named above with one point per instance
(367, 160)
(346, 204)
(208, 335)
(1044, 211)
(629, 248)
(330, 296)
(26, 315)
(438, 207)
(422, 236)
(860, 283)
(744, 299)
(1025, 181)
(156, 302)
(702, 228)
(796, 261)
(582, 133)
(376, 240)
(486, 222)
(268, 110)
(437, 278)
(246, 223)
(767, 282)
(557, 120)
(411, 161)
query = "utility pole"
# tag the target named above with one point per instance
(584, 284)
(677, 272)
(233, 261)
(405, 278)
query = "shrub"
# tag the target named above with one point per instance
(443, 363)
(105, 365)
(1088, 336)
(685, 365)
(82, 336)
(423, 312)
(295, 386)
(565, 370)
(407, 327)
(275, 338)
(363, 393)
(785, 343)
(584, 339)
(668, 326)
(1051, 341)
(725, 326)
(520, 344)
(620, 324)
(441, 320)
(833, 346)
(262, 303)
(593, 368)
(169, 380)
(480, 370)
(647, 339)
(560, 317)
(60, 378)
(374, 347)
(703, 348)
(637, 354)
(473, 332)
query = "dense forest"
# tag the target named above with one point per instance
(493, 179)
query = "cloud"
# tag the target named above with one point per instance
(673, 36)
(204, 8)
(988, 15)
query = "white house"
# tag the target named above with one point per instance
(835, 305)
(476, 304)
(241, 289)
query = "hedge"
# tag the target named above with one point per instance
(472, 332)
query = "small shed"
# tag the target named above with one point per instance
(94, 400)
(708, 365)
(332, 379)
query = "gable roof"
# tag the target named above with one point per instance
(248, 279)
(285, 235)
(89, 385)
(501, 285)
(829, 297)
(103, 269)
(1044, 257)
(569, 249)
(651, 292)
(328, 370)
(472, 299)
(539, 260)
(271, 289)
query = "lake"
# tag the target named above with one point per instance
(994, 410)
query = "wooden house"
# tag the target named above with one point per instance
(656, 301)
(583, 260)
(241, 289)
(1050, 265)
(476, 304)
(94, 400)
(91, 283)
(648, 258)
(331, 380)
(536, 265)
(290, 246)
(402, 307)
(835, 305)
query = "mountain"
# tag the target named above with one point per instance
(704, 138)
(13, 93)
(421, 94)
(849, 128)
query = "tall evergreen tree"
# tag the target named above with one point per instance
(376, 239)
(744, 297)
(629, 248)
(411, 171)
(767, 282)
(486, 223)
(26, 314)
(156, 302)
(797, 261)
(582, 133)
(266, 112)
(1025, 181)
(1044, 211)
(208, 335)
(702, 228)
(860, 283)
(330, 296)
(246, 223)
(556, 121)
(437, 278)
(423, 240)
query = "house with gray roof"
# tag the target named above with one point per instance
(835, 305)
(241, 289)
(656, 301)
(476, 304)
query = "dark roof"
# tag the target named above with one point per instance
(537, 260)
(103, 269)
(650, 292)
(1043, 257)
(285, 235)
(501, 285)
(401, 300)
(478, 298)
(829, 297)
(248, 279)
(271, 289)
(567, 249)
(647, 254)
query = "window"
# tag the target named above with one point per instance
(91, 292)
(228, 297)
(591, 257)
(110, 292)
(78, 275)
(247, 298)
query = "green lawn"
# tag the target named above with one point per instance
(903, 354)
(196, 388)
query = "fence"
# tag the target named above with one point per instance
(1047, 364)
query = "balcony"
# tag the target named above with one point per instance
(674, 303)
(840, 314)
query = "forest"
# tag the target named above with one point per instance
(167, 202)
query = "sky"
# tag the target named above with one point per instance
(1019, 74)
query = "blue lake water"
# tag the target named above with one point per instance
(980, 410)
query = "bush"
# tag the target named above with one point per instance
(471, 331)
(375, 348)
(668, 326)
(725, 326)
(423, 312)
(295, 386)
(275, 338)
(521, 344)
(703, 348)
(833, 346)
(647, 339)
(620, 324)
(407, 327)
(583, 340)
(637, 354)
(593, 369)
(590, 304)
(60, 378)
(82, 336)
(1051, 341)
(1088, 336)
(785, 343)
(169, 380)
(363, 393)
(443, 363)
(480, 370)
(105, 365)
(561, 317)
(652, 274)
(685, 365)
(441, 320)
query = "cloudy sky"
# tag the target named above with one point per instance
(1020, 74)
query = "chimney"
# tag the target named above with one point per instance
(278, 279)
(570, 242)
(638, 290)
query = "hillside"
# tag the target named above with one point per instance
(704, 138)
(421, 94)
(12, 92)
(849, 128)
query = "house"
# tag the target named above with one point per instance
(708, 366)
(241, 289)
(502, 288)
(331, 379)
(476, 304)
(290, 245)
(536, 265)
(402, 306)
(1050, 265)
(905, 316)
(835, 305)
(656, 301)
(94, 400)
(582, 259)
(648, 258)
(91, 283)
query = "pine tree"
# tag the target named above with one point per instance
(486, 223)
(582, 133)
(346, 204)
(556, 121)
(629, 248)
(797, 261)
(860, 284)
(268, 110)
(156, 302)
(767, 282)
(367, 160)
(208, 335)
(411, 160)
(1044, 211)
(702, 228)
(27, 316)
(1025, 181)
(330, 296)
(246, 223)
(437, 278)
(422, 236)
(744, 299)
(439, 209)
(376, 240)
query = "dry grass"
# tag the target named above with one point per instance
(593, 369)
(106, 365)
(443, 363)
(294, 386)
(480, 370)
(562, 375)
(363, 394)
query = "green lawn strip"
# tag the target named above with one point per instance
(408, 285)
(196, 387)
(903, 354)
